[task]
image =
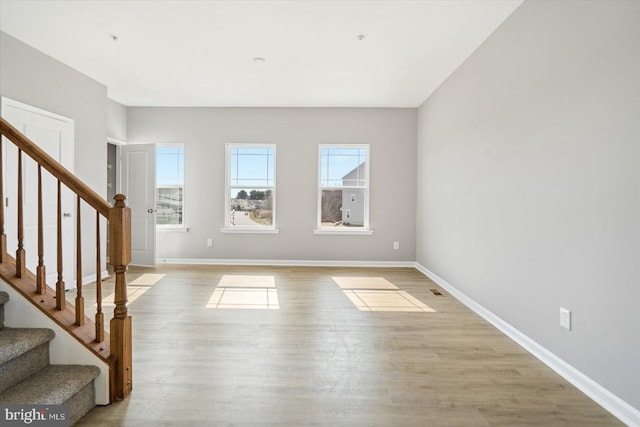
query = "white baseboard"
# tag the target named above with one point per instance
(92, 277)
(85, 279)
(612, 403)
(286, 263)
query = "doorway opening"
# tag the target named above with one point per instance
(112, 179)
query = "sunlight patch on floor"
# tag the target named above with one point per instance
(378, 294)
(386, 301)
(252, 298)
(230, 280)
(364, 283)
(245, 292)
(135, 289)
(147, 279)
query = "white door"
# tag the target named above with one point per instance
(139, 185)
(55, 135)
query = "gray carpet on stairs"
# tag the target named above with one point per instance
(15, 341)
(27, 378)
(23, 352)
(54, 384)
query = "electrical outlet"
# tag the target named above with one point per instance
(565, 318)
(396, 245)
(210, 242)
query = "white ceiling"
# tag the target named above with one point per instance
(200, 53)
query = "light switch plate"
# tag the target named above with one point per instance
(565, 318)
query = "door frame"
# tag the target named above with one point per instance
(5, 103)
(118, 144)
(118, 181)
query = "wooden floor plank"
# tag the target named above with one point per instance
(319, 361)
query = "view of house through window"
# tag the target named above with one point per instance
(344, 186)
(169, 184)
(251, 186)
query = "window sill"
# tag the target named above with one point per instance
(162, 229)
(229, 230)
(343, 232)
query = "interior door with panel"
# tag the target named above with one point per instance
(55, 135)
(138, 180)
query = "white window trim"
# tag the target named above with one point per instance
(272, 229)
(342, 232)
(172, 229)
(247, 230)
(182, 228)
(365, 230)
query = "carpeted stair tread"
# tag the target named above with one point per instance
(27, 378)
(53, 385)
(14, 342)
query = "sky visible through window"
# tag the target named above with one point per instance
(336, 163)
(170, 166)
(251, 167)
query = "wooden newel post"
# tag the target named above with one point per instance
(120, 326)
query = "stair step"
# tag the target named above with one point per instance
(23, 352)
(55, 385)
(16, 341)
(26, 378)
(52, 385)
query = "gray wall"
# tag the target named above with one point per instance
(528, 182)
(27, 75)
(116, 129)
(297, 133)
(116, 120)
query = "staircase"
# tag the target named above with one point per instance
(27, 378)
(110, 344)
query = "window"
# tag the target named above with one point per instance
(169, 185)
(251, 190)
(343, 196)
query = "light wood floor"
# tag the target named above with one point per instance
(318, 360)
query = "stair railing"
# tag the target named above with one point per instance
(115, 347)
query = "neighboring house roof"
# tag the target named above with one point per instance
(356, 173)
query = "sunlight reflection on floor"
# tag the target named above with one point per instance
(245, 292)
(378, 294)
(135, 289)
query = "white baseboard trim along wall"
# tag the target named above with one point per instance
(616, 406)
(287, 263)
(92, 277)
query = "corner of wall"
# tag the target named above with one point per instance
(609, 401)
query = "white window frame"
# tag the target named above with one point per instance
(262, 229)
(365, 229)
(172, 227)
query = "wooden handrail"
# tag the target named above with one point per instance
(115, 349)
(53, 167)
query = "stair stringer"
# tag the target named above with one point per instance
(63, 349)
